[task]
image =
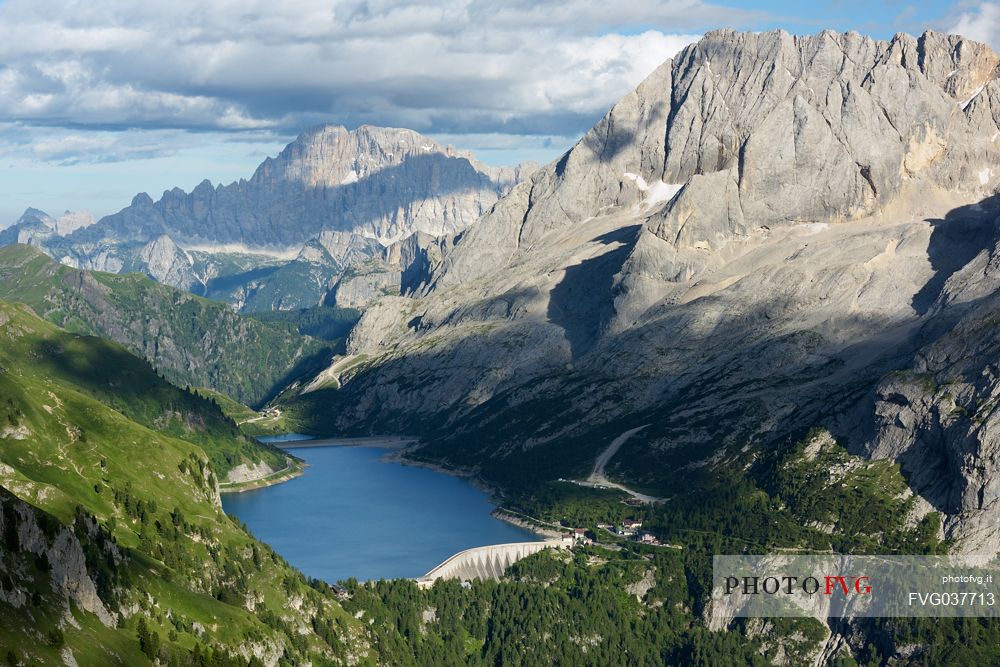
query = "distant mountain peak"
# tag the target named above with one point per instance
(31, 214)
(35, 226)
(330, 155)
(142, 199)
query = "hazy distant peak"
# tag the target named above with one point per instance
(142, 199)
(36, 225)
(32, 214)
(330, 155)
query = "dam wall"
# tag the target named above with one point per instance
(487, 562)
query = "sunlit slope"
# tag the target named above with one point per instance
(112, 528)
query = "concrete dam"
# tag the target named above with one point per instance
(487, 562)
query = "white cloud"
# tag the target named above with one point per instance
(456, 66)
(981, 23)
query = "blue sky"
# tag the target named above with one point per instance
(875, 18)
(108, 98)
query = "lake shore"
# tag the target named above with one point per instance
(400, 456)
(378, 441)
(294, 469)
(528, 524)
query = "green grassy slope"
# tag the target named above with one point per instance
(108, 373)
(232, 409)
(101, 502)
(190, 340)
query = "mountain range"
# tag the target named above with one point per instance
(332, 200)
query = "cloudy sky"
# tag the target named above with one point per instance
(101, 99)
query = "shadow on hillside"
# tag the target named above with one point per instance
(220, 287)
(306, 368)
(582, 301)
(728, 380)
(956, 240)
(607, 140)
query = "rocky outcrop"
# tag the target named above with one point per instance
(246, 472)
(361, 286)
(27, 530)
(417, 256)
(167, 263)
(343, 248)
(939, 419)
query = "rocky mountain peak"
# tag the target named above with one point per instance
(32, 215)
(329, 156)
(142, 199)
(744, 131)
(382, 183)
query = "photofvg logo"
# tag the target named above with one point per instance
(793, 585)
(852, 586)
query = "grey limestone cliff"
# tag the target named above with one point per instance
(29, 531)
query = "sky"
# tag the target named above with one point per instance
(102, 99)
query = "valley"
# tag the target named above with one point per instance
(191, 341)
(752, 310)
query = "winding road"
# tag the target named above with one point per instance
(599, 479)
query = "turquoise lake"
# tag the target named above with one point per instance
(354, 515)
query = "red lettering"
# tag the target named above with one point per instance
(831, 584)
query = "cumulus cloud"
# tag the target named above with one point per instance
(540, 67)
(980, 22)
